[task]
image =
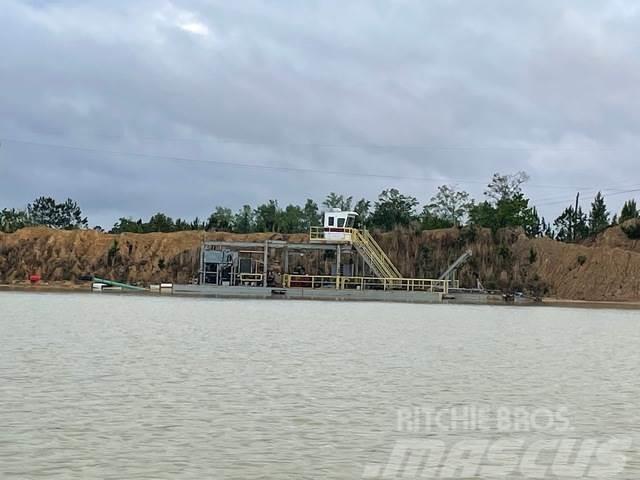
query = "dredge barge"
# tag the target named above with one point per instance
(339, 262)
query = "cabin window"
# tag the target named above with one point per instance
(341, 222)
(331, 222)
(350, 221)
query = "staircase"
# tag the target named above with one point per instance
(373, 255)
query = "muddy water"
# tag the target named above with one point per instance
(97, 386)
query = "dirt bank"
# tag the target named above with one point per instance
(605, 268)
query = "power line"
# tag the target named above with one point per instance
(604, 193)
(355, 145)
(265, 167)
(228, 163)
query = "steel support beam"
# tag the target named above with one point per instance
(265, 263)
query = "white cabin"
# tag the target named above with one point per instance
(338, 225)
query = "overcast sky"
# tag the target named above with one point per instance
(135, 106)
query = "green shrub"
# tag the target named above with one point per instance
(632, 230)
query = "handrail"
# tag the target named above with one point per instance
(366, 283)
(381, 262)
(318, 232)
(364, 243)
(310, 281)
(382, 253)
(376, 262)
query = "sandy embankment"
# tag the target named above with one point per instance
(604, 269)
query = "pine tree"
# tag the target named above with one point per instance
(47, 212)
(599, 216)
(244, 220)
(546, 229)
(310, 215)
(629, 211)
(571, 225)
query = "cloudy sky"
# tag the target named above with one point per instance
(136, 106)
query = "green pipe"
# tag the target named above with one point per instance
(111, 283)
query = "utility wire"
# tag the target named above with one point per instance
(232, 164)
(604, 193)
(349, 145)
(267, 167)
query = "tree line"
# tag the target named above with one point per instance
(44, 211)
(504, 204)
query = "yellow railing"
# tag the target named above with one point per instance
(383, 256)
(366, 245)
(318, 233)
(375, 254)
(366, 283)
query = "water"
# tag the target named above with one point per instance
(102, 386)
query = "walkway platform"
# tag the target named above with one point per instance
(308, 294)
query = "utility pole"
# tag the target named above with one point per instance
(575, 218)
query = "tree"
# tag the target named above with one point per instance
(70, 215)
(129, 225)
(292, 220)
(571, 225)
(268, 216)
(243, 222)
(362, 208)
(599, 216)
(334, 200)
(12, 220)
(505, 187)
(532, 225)
(159, 223)
(393, 209)
(65, 216)
(506, 206)
(514, 212)
(429, 221)
(182, 225)
(197, 224)
(629, 211)
(221, 219)
(546, 229)
(310, 215)
(44, 211)
(449, 205)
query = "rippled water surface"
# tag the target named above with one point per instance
(101, 386)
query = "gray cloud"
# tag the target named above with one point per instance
(447, 90)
